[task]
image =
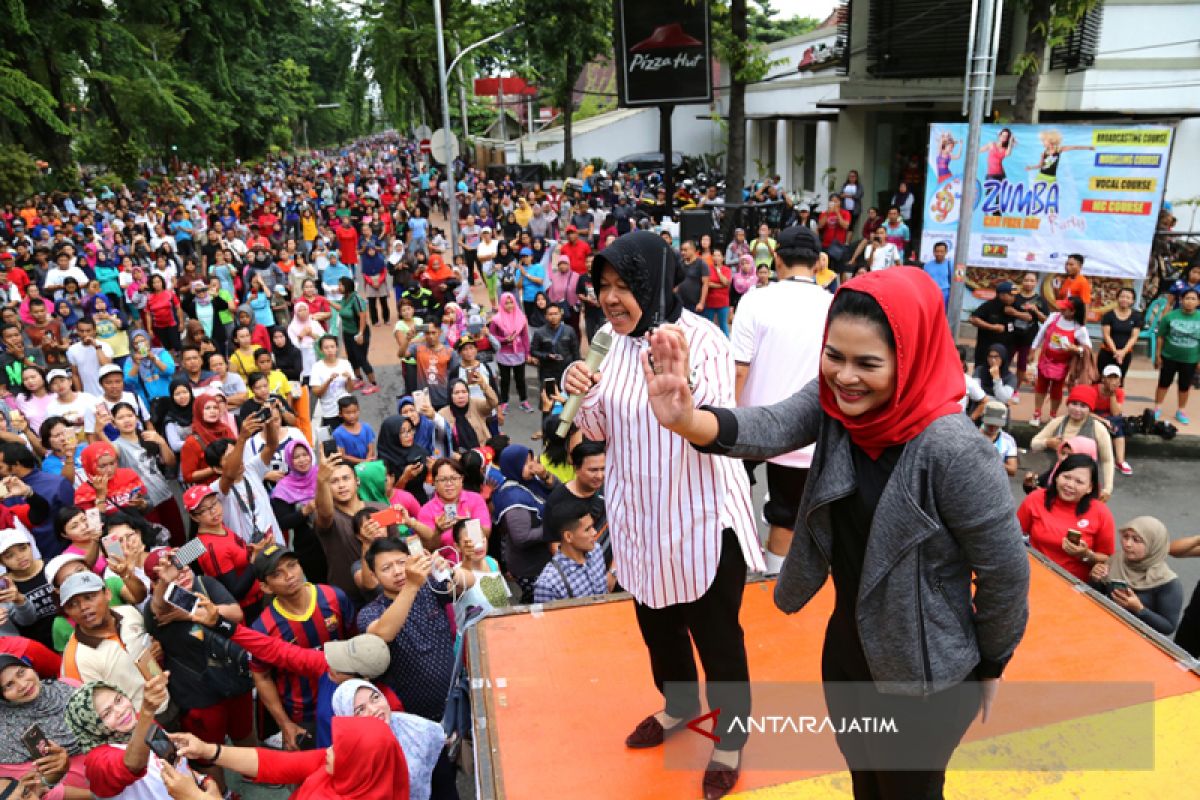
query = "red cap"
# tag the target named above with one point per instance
(152, 560)
(193, 496)
(1085, 395)
(572, 229)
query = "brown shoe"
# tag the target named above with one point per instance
(650, 733)
(719, 779)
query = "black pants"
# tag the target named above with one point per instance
(711, 622)
(510, 373)
(379, 310)
(356, 353)
(930, 728)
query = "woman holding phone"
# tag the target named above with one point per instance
(1138, 579)
(905, 495)
(451, 502)
(1066, 522)
(27, 702)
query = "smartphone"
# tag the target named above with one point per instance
(161, 745)
(415, 548)
(112, 546)
(550, 387)
(1074, 536)
(147, 665)
(304, 741)
(37, 744)
(1119, 585)
(328, 448)
(190, 551)
(92, 515)
(263, 414)
(3, 583)
(475, 533)
(451, 511)
(387, 517)
(181, 598)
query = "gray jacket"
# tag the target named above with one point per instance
(947, 512)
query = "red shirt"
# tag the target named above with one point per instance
(225, 554)
(718, 296)
(161, 306)
(348, 244)
(1104, 402)
(45, 662)
(578, 253)
(1047, 527)
(316, 305)
(831, 231)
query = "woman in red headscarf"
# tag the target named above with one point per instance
(108, 487)
(207, 428)
(908, 503)
(364, 763)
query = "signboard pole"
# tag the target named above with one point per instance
(981, 72)
(664, 140)
(451, 180)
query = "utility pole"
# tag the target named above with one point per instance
(977, 103)
(451, 179)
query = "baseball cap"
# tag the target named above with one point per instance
(193, 496)
(7, 660)
(57, 563)
(10, 538)
(1005, 287)
(110, 369)
(153, 559)
(525, 251)
(269, 559)
(564, 257)
(995, 413)
(465, 340)
(79, 583)
(798, 240)
(572, 229)
(57, 373)
(1112, 369)
(365, 654)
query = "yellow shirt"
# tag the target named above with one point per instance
(308, 228)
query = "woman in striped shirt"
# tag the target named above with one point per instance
(681, 524)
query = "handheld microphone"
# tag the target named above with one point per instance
(597, 351)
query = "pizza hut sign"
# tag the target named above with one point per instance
(663, 52)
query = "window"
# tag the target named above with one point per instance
(1078, 52)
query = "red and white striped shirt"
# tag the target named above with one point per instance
(667, 503)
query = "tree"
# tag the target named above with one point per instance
(18, 172)
(1048, 23)
(560, 46)
(747, 62)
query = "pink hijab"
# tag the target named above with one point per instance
(746, 275)
(506, 323)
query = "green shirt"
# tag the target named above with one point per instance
(1180, 333)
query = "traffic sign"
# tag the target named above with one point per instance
(422, 132)
(444, 146)
(425, 147)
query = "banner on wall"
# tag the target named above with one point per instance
(1046, 191)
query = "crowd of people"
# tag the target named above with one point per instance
(214, 563)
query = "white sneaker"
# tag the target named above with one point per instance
(1125, 468)
(1036, 419)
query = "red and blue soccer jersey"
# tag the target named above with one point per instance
(329, 616)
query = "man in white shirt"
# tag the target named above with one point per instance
(878, 252)
(56, 276)
(87, 356)
(245, 502)
(77, 408)
(776, 343)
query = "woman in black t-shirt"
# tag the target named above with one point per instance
(1120, 328)
(1029, 310)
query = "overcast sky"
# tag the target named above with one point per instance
(803, 8)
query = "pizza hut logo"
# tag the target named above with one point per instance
(665, 37)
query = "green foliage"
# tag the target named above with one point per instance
(18, 173)
(121, 81)
(1065, 16)
(767, 28)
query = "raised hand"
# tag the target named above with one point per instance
(665, 368)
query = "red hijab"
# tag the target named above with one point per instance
(209, 432)
(123, 486)
(368, 764)
(929, 376)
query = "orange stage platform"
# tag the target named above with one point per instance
(556, 689)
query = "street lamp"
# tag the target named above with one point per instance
(443, 80)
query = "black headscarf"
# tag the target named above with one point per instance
(288, 358)
(651, 270)
(464, 433)
(169, 411)
(983, 374)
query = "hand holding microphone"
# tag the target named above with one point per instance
(578, 379)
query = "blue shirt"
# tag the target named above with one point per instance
(529, 289)
(334, 273)
(419, 227)
(422, 653)
(59, 493)
(354, 444)
(940, 273)
(582, 580)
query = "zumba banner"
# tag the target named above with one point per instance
(1045, 191)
